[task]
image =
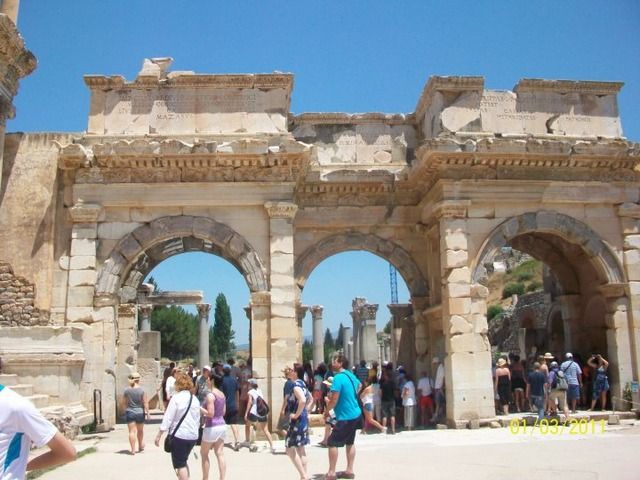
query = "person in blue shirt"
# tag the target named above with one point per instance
(343, 400)
(230, 389)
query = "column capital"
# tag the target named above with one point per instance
(260, 298)
(286, 210)
(85, 212)
(448, 209)
(316, 311)
(145, 309)
(631, 210)
(301, 310)
(203, 309)
(369, 311)
(247, 312)
(400, 310)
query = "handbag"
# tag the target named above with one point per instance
(169, 440)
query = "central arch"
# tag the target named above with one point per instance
(138, 252)
(351, 241)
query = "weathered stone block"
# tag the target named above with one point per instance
(84, 230)
(116, 230)
(468, 342)
(459, 306)
(455, 258)
(459, 275)
(480, 211)
(80, 314)
(631, 242)
(82, 277)
(454, 241)
(83, 246)
(456, 290)
(632, 264)
(459, 324)
(82, 262)
(80, 296)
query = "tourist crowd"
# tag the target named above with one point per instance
(545, 386)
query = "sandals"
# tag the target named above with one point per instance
(345, 475)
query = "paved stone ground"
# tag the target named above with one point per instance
(492, 454)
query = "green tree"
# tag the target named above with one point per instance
(178, 331)
(329, 345)
(340, 338)
(307, 351)
(222, 332)
(387, 328)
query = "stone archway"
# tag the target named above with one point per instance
(536, 231)
(344, 242)
(137, 253)
(586, 269)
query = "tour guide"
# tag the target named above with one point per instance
(343, 400)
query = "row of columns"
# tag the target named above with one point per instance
(145, 311)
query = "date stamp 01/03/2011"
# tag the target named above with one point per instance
(553, 426)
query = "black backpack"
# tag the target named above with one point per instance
(261, 407)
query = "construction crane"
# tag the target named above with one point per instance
(393, 283)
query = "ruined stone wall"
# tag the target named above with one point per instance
(17, 301)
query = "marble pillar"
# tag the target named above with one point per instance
(346, 341)
(145, 311)
(203, 350)
(318, 335)
(369, 343)
(399, 311)
(301, 312)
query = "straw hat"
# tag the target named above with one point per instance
(548, 356)
(501, 362)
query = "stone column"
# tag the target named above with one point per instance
(468, 381)
(356, 315)
(203, 346)
(301, 312)
(369, 344)
(145, 311)
(399, 311)
(284, 291)
(618, 341)
(10, 9)
(318, 335)
(629, 214)
(346, 340)
(127, 353)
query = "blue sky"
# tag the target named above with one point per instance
(352, 56)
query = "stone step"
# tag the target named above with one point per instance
(40, 401)
(8, 379)
(23, 389)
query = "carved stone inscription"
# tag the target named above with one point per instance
(195, 110)
(549, 113)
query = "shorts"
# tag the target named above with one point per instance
(573, 392)
(368, 407)
(131, 417)
(254, 418)
(388, 408)
(426, 402)
(558, 395)
(231, 417)
(344, 432)
(317, 395)
(180, 451)
(213, 434)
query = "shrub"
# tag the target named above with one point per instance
(513, 288)
(493, 311)
(534, 286)
(524, 276)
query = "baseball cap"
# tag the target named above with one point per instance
(435, 360)
(569, 355)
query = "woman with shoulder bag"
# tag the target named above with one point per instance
(181, 420)
(298, 433)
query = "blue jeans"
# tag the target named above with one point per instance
(538, 402)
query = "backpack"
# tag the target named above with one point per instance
(261, 407)
(559, 381)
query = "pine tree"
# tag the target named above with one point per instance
(329, 345)
(340, 338)
(222, 332)
(307, 351)
(178, 331)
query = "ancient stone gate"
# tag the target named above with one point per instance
(176, 161)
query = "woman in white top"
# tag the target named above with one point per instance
(409, 402)
(186, 436)
(251, 417)
(367, 395)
